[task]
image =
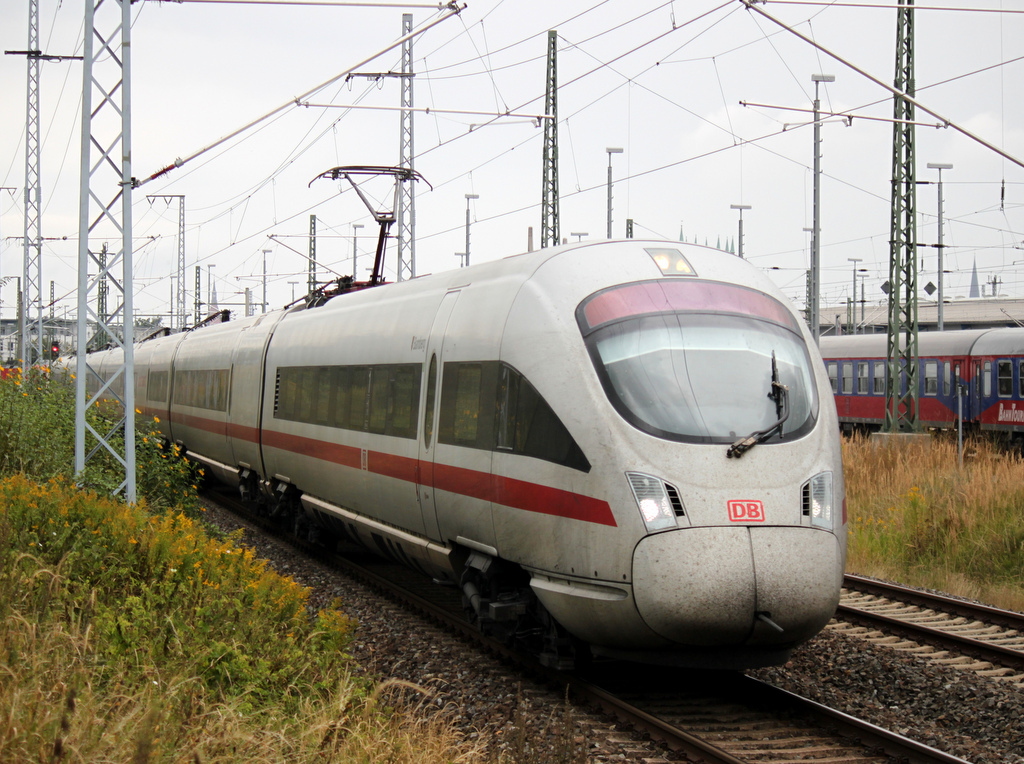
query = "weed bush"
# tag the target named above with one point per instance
(126, 636)
(37, 439)
(919, 518)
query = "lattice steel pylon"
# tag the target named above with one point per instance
(549, 234)
(311, 264)
(179, 313)
(901, 400)
(32, 269)
(105, 206)
(406, 216)
(197, 302)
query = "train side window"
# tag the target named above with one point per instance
(862, 377)
(878, 369)
(158, 386)
(341, 389)
(323, 396)
(203, 389)
(224, 376)
(358, 398)
(508, 396)
(468, 395)
(379, 383)
(527, 425)
(1004, 371)
(931, 378)
(947, 380)
(986, 379)
(541, 434)
(1020, 378)
(428, 417)
(847, 378)
(461, 393)
(833, 375)
(403, 400)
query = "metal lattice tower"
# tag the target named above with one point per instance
(311, 264)
(32, 275)
(106, 206)
(198, 302)
(100, 339)
(549, 235)
(902, 351)
(179, 313)
(181, 297)
(406, 218)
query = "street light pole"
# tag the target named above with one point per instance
(940, 166)
(355, 229)
(610, 152)
(863, 277)
(816, 212)
(265, 253)
(740, 207)
(469, 198)
(853, 299)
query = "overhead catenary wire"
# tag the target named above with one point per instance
(239, 231)
(752, 5)
(452, 8)
(890, 6)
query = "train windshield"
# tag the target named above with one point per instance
(695, 363)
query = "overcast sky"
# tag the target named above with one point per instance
(662, 81)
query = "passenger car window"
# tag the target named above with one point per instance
(382, 399)
(847, 378)
(428, 417)
(1004, 370)
(862, 377)
(931, 378)
(491, 406)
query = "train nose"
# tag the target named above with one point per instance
(737, 585)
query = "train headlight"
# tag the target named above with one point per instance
(658, 507)
(818, 500)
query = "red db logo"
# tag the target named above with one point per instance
(746, 511)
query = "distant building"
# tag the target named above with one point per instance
(959, 313)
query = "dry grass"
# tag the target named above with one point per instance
(919, 518)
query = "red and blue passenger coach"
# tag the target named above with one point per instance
(618, 447)
(976, 376)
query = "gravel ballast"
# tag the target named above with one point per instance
(975, 717)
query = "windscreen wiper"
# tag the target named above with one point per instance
(779, 393)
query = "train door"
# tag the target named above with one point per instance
(976, 393)
(428, 425)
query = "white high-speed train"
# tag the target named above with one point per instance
(624, 445)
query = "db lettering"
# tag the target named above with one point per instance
(746, 511)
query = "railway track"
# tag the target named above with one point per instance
(940, 629)
(710, 717)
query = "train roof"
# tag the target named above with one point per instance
(1008, 341)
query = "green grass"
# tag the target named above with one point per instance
(918, 518)
(37, 439)
(127, 636)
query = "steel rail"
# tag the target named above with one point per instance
(936, 635)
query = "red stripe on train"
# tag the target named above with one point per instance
(508, 492)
